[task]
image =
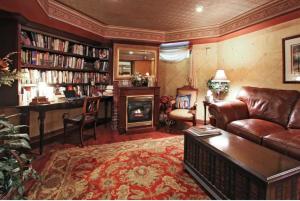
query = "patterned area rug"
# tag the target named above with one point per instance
(140, 169)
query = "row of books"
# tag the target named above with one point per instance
(29, 38)
(32, 76)
(60, 61)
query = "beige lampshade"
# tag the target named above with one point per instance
(220, 76)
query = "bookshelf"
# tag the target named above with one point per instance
(59, 59)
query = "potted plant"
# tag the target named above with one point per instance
(218, 88)
(138, 80)
(15, 168)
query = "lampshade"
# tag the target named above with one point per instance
(220, 76)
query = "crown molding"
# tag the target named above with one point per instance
(70, 16)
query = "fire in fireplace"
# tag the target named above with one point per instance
(139, 111)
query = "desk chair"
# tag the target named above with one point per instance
(89, 116)
(180, 111)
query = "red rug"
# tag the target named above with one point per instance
(140, 169)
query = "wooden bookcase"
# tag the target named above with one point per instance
(57, 58)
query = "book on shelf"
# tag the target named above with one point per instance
(204, 131)
(30, 38)
(32, 57)
(34, 76)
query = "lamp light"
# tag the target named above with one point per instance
(220, 76)
(41, 89)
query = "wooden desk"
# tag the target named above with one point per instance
(43, 108)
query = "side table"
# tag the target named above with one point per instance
(205, 106)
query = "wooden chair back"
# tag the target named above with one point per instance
(188, 90)
(91, 106)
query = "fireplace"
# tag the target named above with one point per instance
(139, 111)
(136, 109)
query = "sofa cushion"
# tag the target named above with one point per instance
(269, 104)
(286, 142)
(295, 117)
(253, 129)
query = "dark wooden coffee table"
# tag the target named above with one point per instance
(231, 167)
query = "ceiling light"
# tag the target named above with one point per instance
(199, 8)
(130, 52)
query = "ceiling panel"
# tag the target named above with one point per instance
(163, 15)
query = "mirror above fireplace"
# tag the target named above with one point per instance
(131, 59)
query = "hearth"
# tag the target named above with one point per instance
(139, 111)
(136, 109)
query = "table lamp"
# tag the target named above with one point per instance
(40, 97)
(221, 81)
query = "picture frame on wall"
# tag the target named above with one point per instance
(291, 59)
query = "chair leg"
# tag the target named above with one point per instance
(95, 125)
(65, 133)
(81, 135)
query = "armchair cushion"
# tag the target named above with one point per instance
(183, 101)
(183, 114)
(294, 121)
(269, 104)
(254, 129)
(192, 93)
(225, 112)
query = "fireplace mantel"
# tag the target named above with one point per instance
(122, 106)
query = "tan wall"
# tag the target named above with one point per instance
(172, 76)
(253, 59)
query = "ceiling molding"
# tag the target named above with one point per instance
(68, 15)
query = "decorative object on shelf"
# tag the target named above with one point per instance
(15, 168)
(219, 84)
(139, 80)
(291, 59)
(7, 77)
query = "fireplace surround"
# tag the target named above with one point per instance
(137, 109)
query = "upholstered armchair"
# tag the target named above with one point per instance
(184, 106)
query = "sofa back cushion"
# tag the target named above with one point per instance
(295, 116)
(269, 104)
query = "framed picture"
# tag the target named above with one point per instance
(291, 59)
(125, 68)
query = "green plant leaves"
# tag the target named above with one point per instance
(14, 164)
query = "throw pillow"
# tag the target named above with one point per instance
(183, 101)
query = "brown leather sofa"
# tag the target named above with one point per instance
(269, 117)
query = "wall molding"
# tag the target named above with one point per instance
(65, 14)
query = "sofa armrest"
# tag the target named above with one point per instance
(225, 112)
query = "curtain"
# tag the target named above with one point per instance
(174, 55)
(174, 52)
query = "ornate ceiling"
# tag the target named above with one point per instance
(165, 20)
(163, 15)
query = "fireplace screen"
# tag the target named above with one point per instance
(139, 111)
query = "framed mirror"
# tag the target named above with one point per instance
(131, 59)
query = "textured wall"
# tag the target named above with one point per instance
(172, 76)
(254, 59)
